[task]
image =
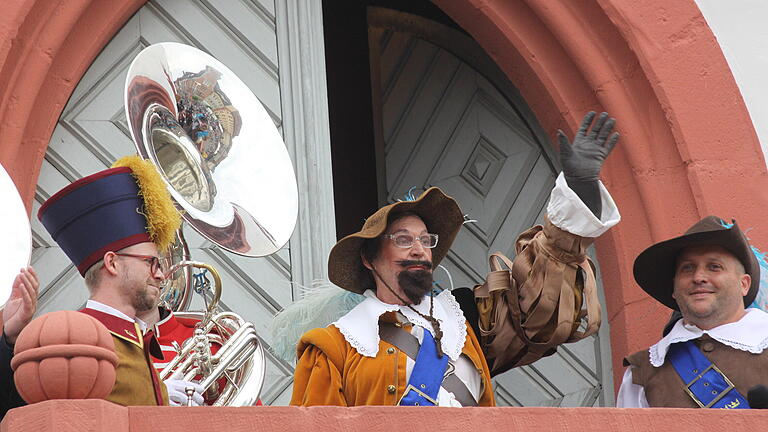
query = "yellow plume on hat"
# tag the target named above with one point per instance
(162, 217)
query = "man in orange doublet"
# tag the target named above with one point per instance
(406, 343)
(378, 380)
(348, 363)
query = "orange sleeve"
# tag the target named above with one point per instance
(316, 380)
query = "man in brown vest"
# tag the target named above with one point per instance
(716, 352)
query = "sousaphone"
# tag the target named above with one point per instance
(228, 170)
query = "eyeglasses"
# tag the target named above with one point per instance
(153, 261)
(405, 241)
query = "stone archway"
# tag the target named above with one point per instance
(45, 48)
(654, 65)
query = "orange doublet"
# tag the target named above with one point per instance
(331, 372)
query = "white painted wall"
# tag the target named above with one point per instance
(741, 30)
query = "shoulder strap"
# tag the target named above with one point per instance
(704, 382)
(408, 344)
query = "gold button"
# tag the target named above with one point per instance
(390, 350)
(708, 346)
(423, 386)
(391, 389)
(397, 324)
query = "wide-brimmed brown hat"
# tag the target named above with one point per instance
(440, 214)
(655, 267)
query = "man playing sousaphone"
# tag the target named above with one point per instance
(111, 225)
(405, 345)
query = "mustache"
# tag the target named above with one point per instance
(407, 263)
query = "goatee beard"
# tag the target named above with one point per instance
(143, 302)
(415, 284)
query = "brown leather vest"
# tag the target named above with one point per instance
(664, 388)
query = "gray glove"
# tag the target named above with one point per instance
(583, 159)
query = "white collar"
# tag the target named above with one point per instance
(360, 326)
(101, 307)
(747, 334)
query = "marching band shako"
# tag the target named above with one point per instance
(96, 214)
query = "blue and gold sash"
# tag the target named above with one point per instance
(426, 376)
(704, 382)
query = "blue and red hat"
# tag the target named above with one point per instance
(109, 211)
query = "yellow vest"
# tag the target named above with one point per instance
(133, 385)
(137, 382)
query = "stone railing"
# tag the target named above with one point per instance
(99, 415)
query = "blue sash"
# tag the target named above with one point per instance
(426, 376)
(704, 382)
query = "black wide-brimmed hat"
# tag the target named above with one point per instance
(440, 214)
(655, 267)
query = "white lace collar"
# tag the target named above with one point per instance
(749, 334)
(360, 326)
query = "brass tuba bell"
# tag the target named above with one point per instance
(227, 169)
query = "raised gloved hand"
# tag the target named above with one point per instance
(583, 159)
(177, 393)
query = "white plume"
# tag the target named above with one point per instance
(320, 305)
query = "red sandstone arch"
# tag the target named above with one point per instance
(45, 48)
(688, 147)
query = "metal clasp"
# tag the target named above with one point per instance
(419, 392)
(719, 396)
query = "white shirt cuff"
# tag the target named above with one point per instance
(567, 212)
(631, 395)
